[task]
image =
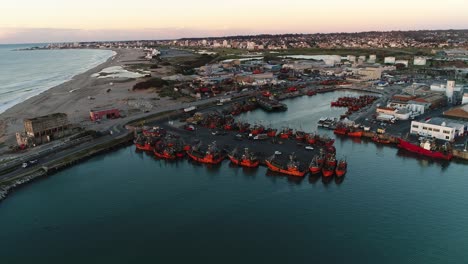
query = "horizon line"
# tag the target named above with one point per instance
(228, 36)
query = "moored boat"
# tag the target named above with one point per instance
(247, 159)
(292, 168)
(211, 156)
(314, 166)
(341, 168)
(328, 170)
(426, 148)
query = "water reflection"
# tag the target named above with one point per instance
(311, 178)
(423, 160)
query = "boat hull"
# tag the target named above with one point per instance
(206, 159)
(403, 144)
(296, 173)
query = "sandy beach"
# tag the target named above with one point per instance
(84, 92)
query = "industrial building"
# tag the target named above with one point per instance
(460, 112)
(109, 113)
(44, 129)
(438, 128)
(389, 60)
(369, 73)
(400, 114)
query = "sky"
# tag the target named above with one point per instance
(33, 21)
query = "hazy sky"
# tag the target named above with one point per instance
(80, 20)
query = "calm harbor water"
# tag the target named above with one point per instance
(390, 208)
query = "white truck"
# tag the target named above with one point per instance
(386, 118)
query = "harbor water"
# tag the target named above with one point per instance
(128, 207)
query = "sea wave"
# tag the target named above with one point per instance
(27, 74)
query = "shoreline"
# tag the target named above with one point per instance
(68, 97)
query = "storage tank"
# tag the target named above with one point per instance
(450, 89)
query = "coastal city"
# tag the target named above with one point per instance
(233, 132)
(410, 99)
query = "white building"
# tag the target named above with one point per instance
(389, 60)
(420, 61)
(351, 58)
(372, 58)
(450, 90)
(465, 98)
(438, 128)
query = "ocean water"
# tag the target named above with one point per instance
(24, 74)
(128, 207)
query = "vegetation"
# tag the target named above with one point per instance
(189, 64)
(153, 82)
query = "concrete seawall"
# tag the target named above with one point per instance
(8, 185)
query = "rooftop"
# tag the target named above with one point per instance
(46, 117)
(458, 112)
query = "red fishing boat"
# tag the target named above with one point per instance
(300, 135)
(165, 154)
(330, 160)
(292, 168)
(341, 168)
(271, 132)
(426, 148)
(315, 166)
(211, 156)
(247, 159)
(381, 140)
(355, 133)
(146, 146)
(310, 138)
(328, 171)
(340, 130)
(257, 129)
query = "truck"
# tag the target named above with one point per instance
(190, 109)
(386, 118)
(261, 137)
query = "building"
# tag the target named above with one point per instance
(419, 61)
(389, 60)
(458, 112)
(435, 100)
(369, 73)
(109, 113)
(438, 128)
(400, 114)
(372, 58)
(465, 98)
(44, 129)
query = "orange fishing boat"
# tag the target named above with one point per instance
(328, 170)
(211, 156)
(315, 166)
(257, 129)
(165, 154)
(292, 168)
(356, 133)
(341, 168)
(143, 145)
(381, 140)
(248, 159)
(271, 132)
(310, 138)
(300, 135)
